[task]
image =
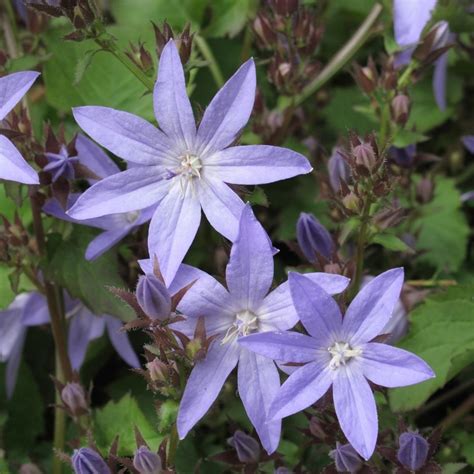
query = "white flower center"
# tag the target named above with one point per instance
(341, 352)
(244, 324)
(132, 216)
(190, 166)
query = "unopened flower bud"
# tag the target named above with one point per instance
(88, 461)
(153, 297)
(441, 36)
(157, 370)
(285, 7)
(264, 30)
(424, 190)
(413, 450)
(338, 170)
(74, 398)
(146, 462)
(400, 108)
(351, 202)
(364, 156)
(345, 458)
(248, 449)
(313, 238)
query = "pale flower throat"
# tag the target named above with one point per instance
(245, 323)
(341, 352)
(190, 166)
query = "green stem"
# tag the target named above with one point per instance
(173, 445)
(59, 423)
(343, 55)
(210, 59)
(111, 46)
(404, 79)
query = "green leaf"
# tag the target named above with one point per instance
(442, 333)
(106, 81)
(120, 418)
(86, 280)
(229, 17)
(390, 242)
(442, 228)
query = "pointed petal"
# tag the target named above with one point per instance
(249, 273)
(409, 19)
(184, 276)
(173, 228)
(172, 107)
(120, 341)
(12, 88)
(356, 410)
(36, 311)
(14, 363)
(92, 156)
(229, 111)
(371, 309)
(439, 81)
(133, 189)
(303, 387)
(317, 310)
(13, 167)
(258, 383)
(256, 164)
(103, 242)
(221, 206)
(205, 383)
(390, 366)
(10, 330)
(125, 135)
(286, 346)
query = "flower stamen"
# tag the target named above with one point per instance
(245, 323)
(341, 353)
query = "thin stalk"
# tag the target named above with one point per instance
(343, 56)
(431, 283)
(173, 445)
(59, 422)
(111, 47)
(210, 59)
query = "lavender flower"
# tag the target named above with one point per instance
(27, 309)
(313, 238)
(88, 461)
(404, 157)
(13, 167)
(468, 142)
(147, 462)
(338, 170)
(115, 226)
(247, 448)
(339, 353)
(346, 458)
(413, 450)
(153, 297)
(243, 308)
(179, 167)
(61, 164)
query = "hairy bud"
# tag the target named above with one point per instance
(364, 156)
(88, 461)
(248, 449)
(345, 458)
(153, 297)
(338, 170)
(74, 398)
(313, 238)
(351, 202)
(147, 462)
(157, 370)
(264, 31)
(413, 450)
(400, 108)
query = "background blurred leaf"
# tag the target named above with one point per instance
(441, 333)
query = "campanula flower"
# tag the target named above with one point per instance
(339, 353)
(345, 458)
(181, 167)
(89, 461)
(244, 307)
(247, 448)
(13, 167)
(61, 164)
(153, 297)
(338, 170)
(413, 450)
(313, 238)
(146, 461)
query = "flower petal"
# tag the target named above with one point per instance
(258, 383)
(13, 167)
(286, 346)
(229, 111)
(170, 99)
(256, 164)
(92, 156)
(12, 88)
(185, 275)
(390, 366)
(356, 410)
(36, 311)
(278, 311)
(133, 189)
(303, 387)
(317, 310)
(249, 273)
(409, 19)
(173, 228)
(14, 363)
(371, 309)
(120, 341)
(439, 81)
(103, 242)
(126, 135)
(221, 206)
(205, 383)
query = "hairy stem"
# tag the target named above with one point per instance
(343, 56)
(210, 59)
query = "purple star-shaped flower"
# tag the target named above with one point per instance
(13, 167)
(244, 307)
(61, 164)
(181, 167)
(115, 226)
(339, 353)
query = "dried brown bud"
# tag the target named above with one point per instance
(400, 108)
(366, 77)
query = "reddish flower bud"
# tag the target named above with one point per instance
(264, 30)
(157, 370)
(364, 156)
(400, 108)
(74, 398)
